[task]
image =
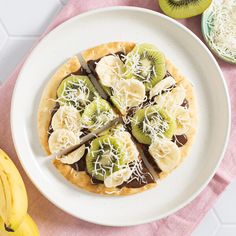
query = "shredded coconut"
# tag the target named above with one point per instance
(222, 28)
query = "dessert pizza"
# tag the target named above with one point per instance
(155, 104)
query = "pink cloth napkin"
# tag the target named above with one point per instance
(52, 221)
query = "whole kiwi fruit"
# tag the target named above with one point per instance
(184, 8)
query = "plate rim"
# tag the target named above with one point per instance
(226, 93)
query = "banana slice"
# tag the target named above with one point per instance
(130, 148)
(67, 117)
(109, 69)
(182, 120)
(117, 178)
(171, 100)
(179, 94)
(74, 156)
(163, 85)
(61, 139)
(165, 153)
(129, 92)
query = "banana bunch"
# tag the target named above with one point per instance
(13, 201)
(26, 228)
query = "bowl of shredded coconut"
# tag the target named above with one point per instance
(219, 29)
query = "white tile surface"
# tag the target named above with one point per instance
(225, 207)
(30, 17)
(27, 17)
(226, 231)
(3, 36)
(208, 226)
(12, 53)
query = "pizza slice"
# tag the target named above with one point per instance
(156, 104)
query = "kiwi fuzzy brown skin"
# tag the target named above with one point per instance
(183, 8)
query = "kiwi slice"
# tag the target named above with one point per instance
(76, 90)
(105, 156)
(150, 122)
(184, 8)
(97, 114)
(147, 64)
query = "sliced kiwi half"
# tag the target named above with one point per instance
(152, 122)
(76, 90)
(147, 64)
(106, 155)
(97, 114)
(184, 8)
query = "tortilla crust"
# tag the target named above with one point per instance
(108, 48)
(47, 102)
(82, 179)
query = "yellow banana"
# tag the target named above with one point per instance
(13, 196)
(61, 139)
(117, 178)
(165, 153)
(26, 228)
(109, 69)
(128, 93)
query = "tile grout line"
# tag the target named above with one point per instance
(217, 216)
(219, 224)
(15, 35)
(5, 32)
(4, 26)
(61, 2)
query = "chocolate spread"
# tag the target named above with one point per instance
(180, 140)
(135, 183)
(185, 103)
(80, 165)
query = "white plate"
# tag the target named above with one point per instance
(186, 51)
